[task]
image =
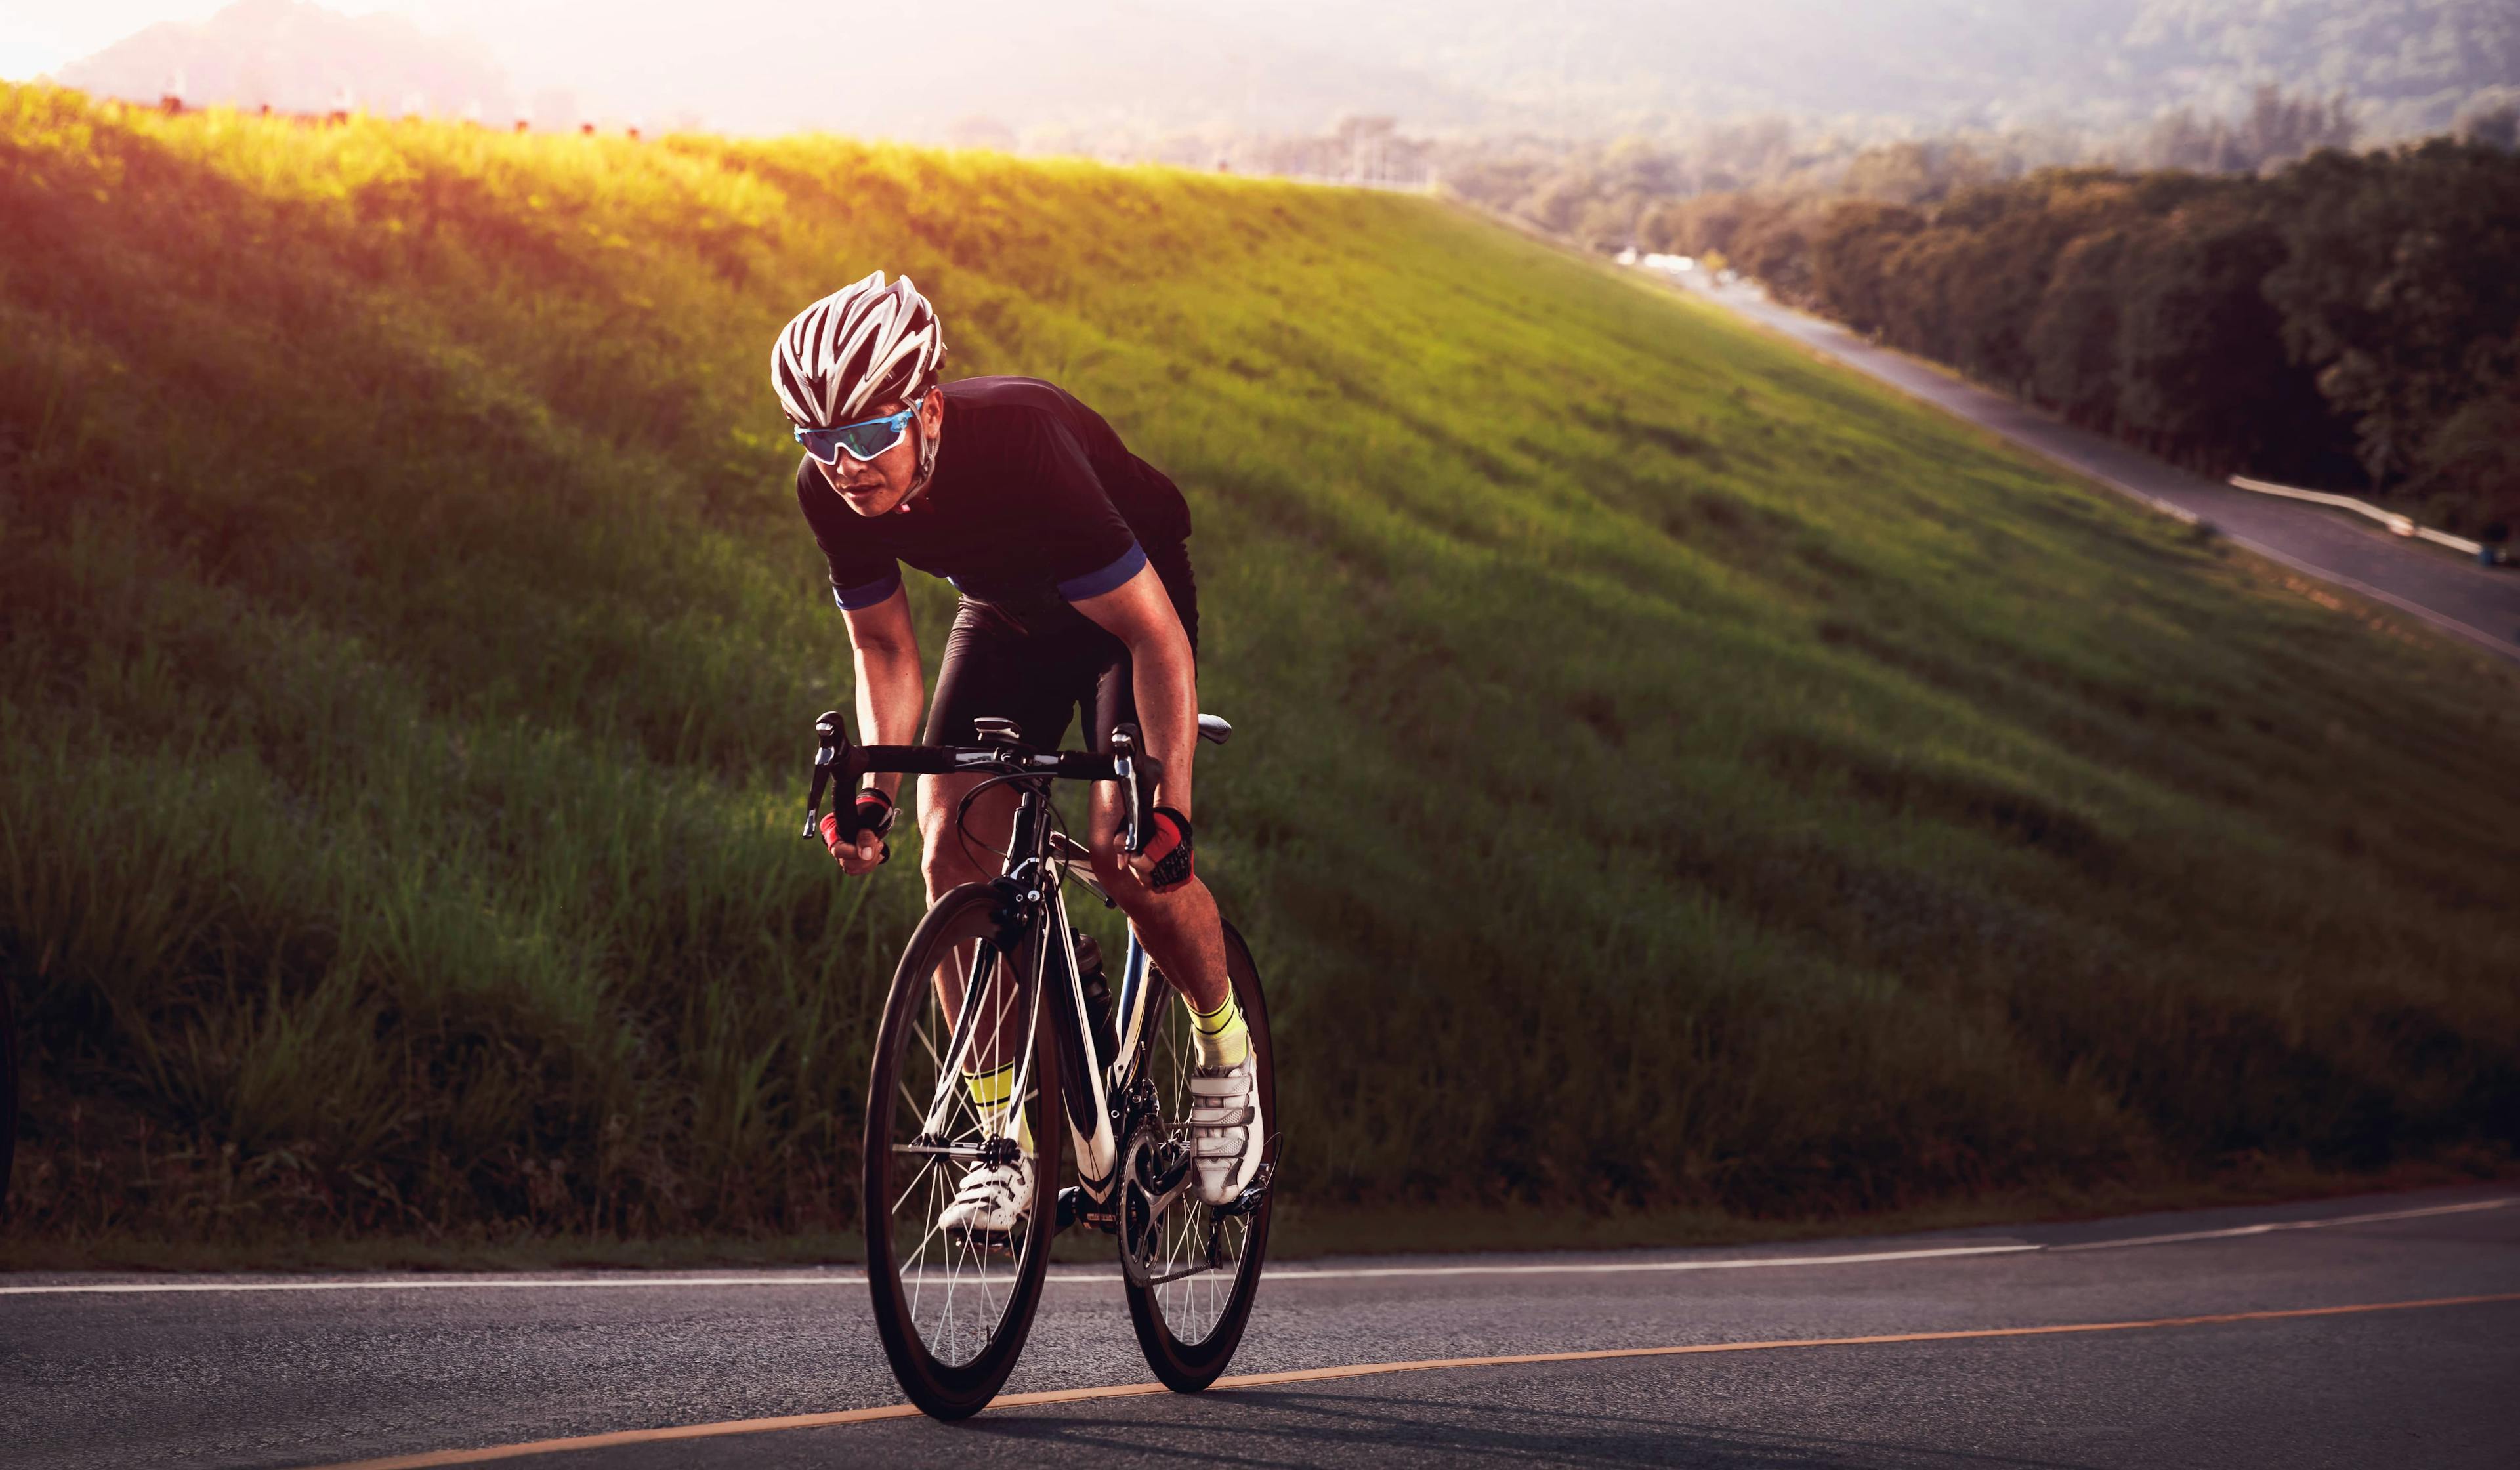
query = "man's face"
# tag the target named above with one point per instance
(877, 486)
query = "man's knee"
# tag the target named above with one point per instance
(945, 859)
(1111, 869)
(942, 865)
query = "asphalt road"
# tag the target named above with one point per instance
(2319, 1360)
(2432, 583)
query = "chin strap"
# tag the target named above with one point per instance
(926, 465)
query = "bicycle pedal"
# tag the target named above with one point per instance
(1254, 1194)
(1076, 1207)
(985, 1242)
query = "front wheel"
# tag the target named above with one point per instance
(1202, 1264)
(953, 1303)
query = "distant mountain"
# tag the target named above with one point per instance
(298, 57)
(1081, 70)
(1941, 63)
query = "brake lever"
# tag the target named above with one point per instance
(833, 738)
(1124, 765)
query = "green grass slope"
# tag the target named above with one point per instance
(1675, 776)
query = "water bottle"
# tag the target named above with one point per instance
(1098, 999)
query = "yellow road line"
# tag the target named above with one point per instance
(425, 1461)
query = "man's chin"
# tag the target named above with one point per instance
(874, 501)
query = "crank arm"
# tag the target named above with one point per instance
(970, 1152)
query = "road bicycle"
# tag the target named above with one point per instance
(1004, 1033)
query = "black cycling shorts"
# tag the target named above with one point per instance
(996, 669)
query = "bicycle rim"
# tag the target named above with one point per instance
(1190, 1327)
(953, 1310)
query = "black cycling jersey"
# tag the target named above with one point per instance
(1035, 504)
(993, 668)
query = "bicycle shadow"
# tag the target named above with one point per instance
(1303, 1427)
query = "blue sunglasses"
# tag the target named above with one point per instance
(862, 440)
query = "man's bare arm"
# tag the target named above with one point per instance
(891, 692)
(1165, 675)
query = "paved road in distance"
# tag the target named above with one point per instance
(299, 1376)
(2479, 604)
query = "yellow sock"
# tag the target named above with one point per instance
(1220, 1035)
(989, 1093)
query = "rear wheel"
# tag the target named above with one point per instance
(1189, 1324)
(953, 1308)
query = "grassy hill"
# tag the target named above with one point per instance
(1676, 777)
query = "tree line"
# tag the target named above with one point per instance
(2351, 321)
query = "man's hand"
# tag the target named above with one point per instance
(865, 851)
(1167, 860)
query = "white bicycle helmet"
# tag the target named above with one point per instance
(863, 344)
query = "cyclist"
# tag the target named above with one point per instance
(1069, 553)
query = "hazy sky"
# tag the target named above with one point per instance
(857, 63)
(881, 68)
(37, 36)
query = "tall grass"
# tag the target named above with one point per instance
(1674, 773)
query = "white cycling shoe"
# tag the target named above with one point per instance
(992, 1203)
(1226, 1130)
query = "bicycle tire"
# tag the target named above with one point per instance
(913, 1284)
(1189, 1366)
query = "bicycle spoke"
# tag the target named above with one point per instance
(926, 1166)
(956, 1286)
(1191, 1297)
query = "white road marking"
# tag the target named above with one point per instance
(428, 1283)
(1628, 1268)
(2271, 1226)
(1056, 1279)
(1288, 1274)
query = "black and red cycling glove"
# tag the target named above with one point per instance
(872, 812)
(1170, 850)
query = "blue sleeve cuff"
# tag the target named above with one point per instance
(1095, 583)
(867, 593)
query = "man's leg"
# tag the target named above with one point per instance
(990, 669)
(989, 1199)
(1186, 939)
(1180, 929)
(952, 855)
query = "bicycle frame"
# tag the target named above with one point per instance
(1097, 1148)
(1032, 883)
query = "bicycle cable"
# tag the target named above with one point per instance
(962, 812)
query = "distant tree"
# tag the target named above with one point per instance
(2277, 127)
(2203, 376)
(1915, 173)
(2073, 342)
(1664, 226)
(2489, 122)
(2471, 462)
(1850, 252)
(2399, 288)
(1773, 241)
(2008, 267)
